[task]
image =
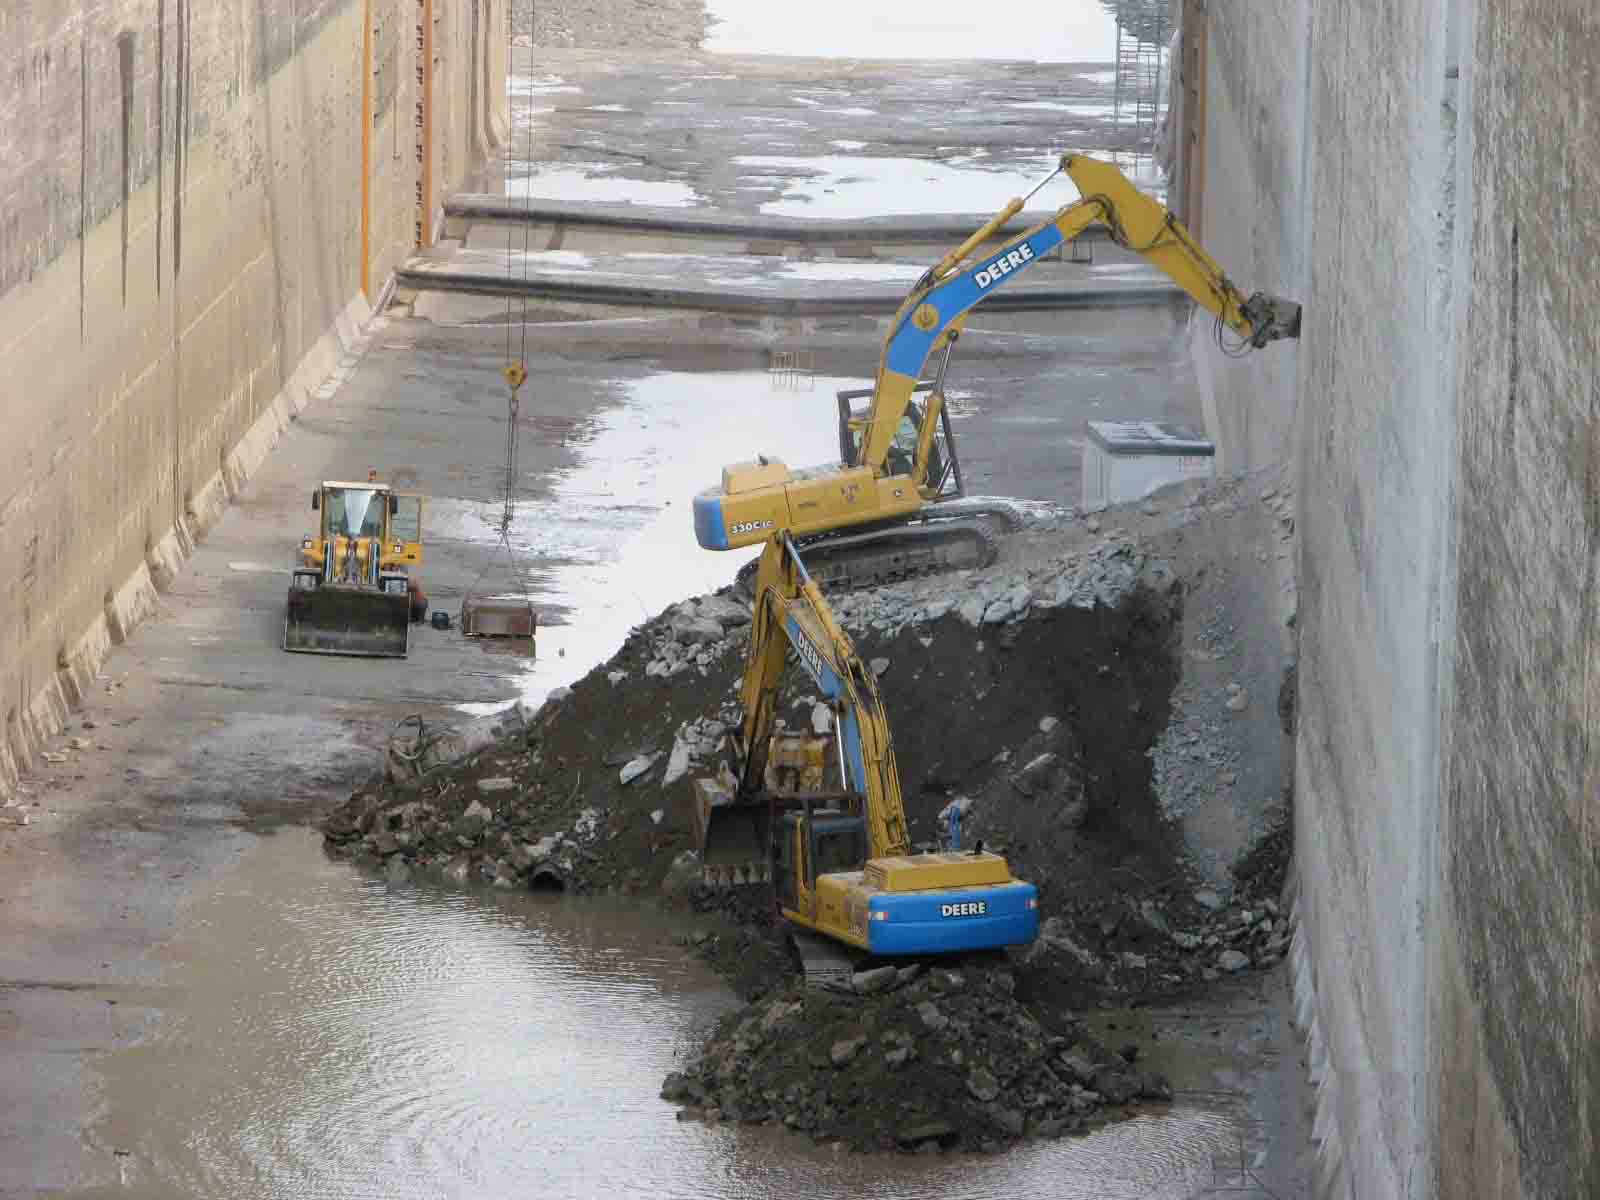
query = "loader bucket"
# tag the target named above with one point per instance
(734, 836)
(335, 619)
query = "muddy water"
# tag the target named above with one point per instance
(617, 531)
(326, 1036)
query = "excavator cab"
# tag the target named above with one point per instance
(812, 843)
(936, 468)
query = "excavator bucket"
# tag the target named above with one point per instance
(734, 836)
(338, 619)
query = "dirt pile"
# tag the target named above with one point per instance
(913, 1059)
(1032, 697)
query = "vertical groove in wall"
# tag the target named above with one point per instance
(1514, 343)
(180, 131)
(366, 149)
(161, 131)
(83, 178)
(125, 42)
(425, 233)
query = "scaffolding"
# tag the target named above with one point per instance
(1143, 30)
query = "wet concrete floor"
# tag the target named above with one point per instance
(193, 1002)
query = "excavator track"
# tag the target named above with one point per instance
(889, 553)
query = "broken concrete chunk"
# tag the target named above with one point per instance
(496, 783)
(843, 1051)
(1233, 961)
(677, 764)
(1078, 1066)
(982, 1086)
(946, 979)
(879, 666)
(879, 979)
(657, 816)
(932, 1019)
(635, 767)
(695, 631)
(1115, 1086)
(1206, 898)
(1046, 724)
(730, 614)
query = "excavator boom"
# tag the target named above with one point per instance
(899, 464)
(934, 311)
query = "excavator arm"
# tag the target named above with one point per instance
(932, 315)
(841, 863)
(790, 611)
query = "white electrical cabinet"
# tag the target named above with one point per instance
(1126, 461)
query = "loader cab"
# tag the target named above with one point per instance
(352, 510)
(821, 842)
(943, 478)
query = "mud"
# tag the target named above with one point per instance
(1035, 705)
(939, 1059)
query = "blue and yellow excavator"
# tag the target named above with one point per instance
(894, 505)
(840, 859)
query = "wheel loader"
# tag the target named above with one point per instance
(355, 590)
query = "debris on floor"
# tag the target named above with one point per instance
(914, 1059)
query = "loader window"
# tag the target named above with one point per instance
(406, 526)
(355, 512)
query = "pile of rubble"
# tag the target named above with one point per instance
(1101, 574)
(911, 1059)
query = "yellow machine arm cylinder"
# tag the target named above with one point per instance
(939, 303)
(790, 610)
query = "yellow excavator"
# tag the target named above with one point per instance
(895, 506)
(354, 590)
(840, 861)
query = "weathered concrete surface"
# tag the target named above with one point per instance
(1410, 171)
(546, 216)
(181, 262)
(760, 284)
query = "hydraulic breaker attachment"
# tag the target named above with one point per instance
(1271, 318)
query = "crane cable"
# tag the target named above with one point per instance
(516, 369)
(515, 372)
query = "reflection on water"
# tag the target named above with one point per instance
(619, 525)
(329, 1037)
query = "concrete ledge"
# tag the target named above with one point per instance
(463, 211)
(328, 362)
(427, 276)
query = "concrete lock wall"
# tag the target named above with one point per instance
(186, 247)
(1424, 197)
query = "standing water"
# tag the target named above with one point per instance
(326, 1036)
